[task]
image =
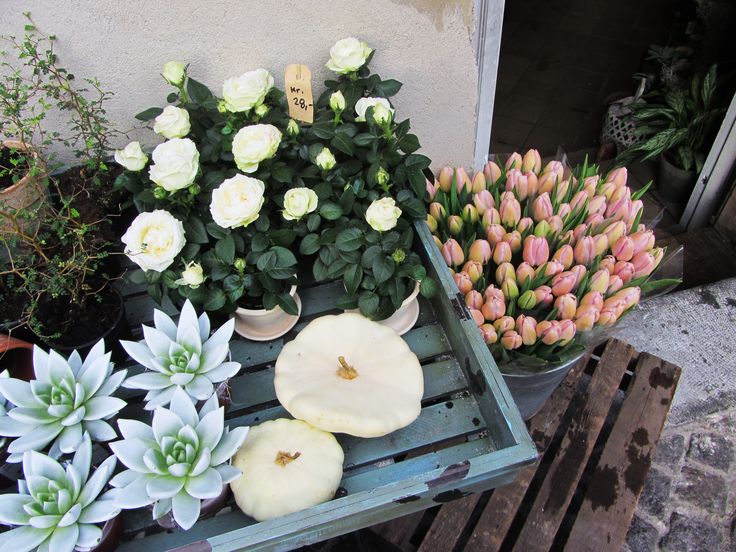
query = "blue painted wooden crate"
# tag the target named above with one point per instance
(469, 436)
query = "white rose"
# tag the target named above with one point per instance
(154, 239)
(174, 72)
(176, 163)
(253, 144)
(362, 105)
(298, 202)
(383, 214)
(246, 91)
(337, 101)
(191, 276)
(237, 201)
(348, 55)
(382, 114)
(325, 160)
(172, 123)
(131, 157)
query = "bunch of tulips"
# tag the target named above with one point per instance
(542, 254)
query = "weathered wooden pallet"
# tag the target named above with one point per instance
(596, 436)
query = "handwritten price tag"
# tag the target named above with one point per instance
(298, 83)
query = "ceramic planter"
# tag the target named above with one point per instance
(111, 533)
(16, 356)
(406, 315)
(674, 184)
(28, 194)
(264, 325)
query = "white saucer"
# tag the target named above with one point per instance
(406, 321)
(255, 335)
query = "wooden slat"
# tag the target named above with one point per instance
(400, 530)
(564, 473)
(499, 513)
(605, 515)
(449, 524)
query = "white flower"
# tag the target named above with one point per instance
(191, 276)
(246, 91)
(154, 239)
(176, 163)
(131, 157)
(382, 114)
(337, 101)
(362, 105)
(348, 55)
(237, 201)
(383, 214)
(298, 202)
(253, 144)
(172, 123)
(325, 160)
(174, 72)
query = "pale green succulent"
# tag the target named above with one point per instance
(181, 357)
(3, 407)
(58, 508)
(182, 458)
(67, 399)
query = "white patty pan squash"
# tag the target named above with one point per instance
(287, 466)
(346, 374)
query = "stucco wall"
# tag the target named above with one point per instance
(424, 44)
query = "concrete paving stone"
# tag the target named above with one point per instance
(510, 131)
(705, 490)
(530, 87)
(655, 493)
(548, 139)
(523, 108)
(670, 450)
(642, 535)
(711, 449)
(690, 535)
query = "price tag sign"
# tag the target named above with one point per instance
(298, 83)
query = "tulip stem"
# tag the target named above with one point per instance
(346, 371)
(283, 458)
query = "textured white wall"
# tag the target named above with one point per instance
(424, 44)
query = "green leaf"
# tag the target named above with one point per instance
(309, 244)
(387, 88)
(343, 143)
(330, 211)
(216, 231)
(364, 139)
(368, 303)
(150, 113)
(319, 270)
(287, 303)
(313, 222)
(352, 277)
(283, 237)
(215, 299)
(225, 249)
(282, 173)
(232, 283)
(171, 98)
(414, 208)
(370, 254)
(267, 261)
(323, 130)
(137, 276)
(428, 288)
(409, 143)
(284, 257)
(349, 239)
(198, 92)
(259, 243)
(383, 268)
(417, 161)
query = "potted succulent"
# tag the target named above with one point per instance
(182, 356)
(180, 463)
(61, 507)
(66, 400)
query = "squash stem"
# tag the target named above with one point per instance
(283, 458)
(346, 371)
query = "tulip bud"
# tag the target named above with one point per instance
(470, 214)
(551, 268)
(579, 232)
(489, 334)
(623, 248)
(463, 282)
(542, 229)
(493, 309)
(600, 281)
(510, 211)
(477, 317)
(597, 205)
(548, 331)
(567, 331)
(563, 209)
(491, 216)
(562, 188)
(437, 210)
(591, 181)
(595, 221)
(564, 255)
(492, 292)
(514, 240)
(636, 207)
(601, 244)
(523, 184)
(624, 270)
(505, 271)
(509, 289)
(554, 167)
(480, 251)
(514, 161)
(579, 271)
(593, 299)
(453, 253)
(504, 324)
(585, 317)
(527, 300)
(578, 200)
(511, 340)
(567, 237)
(502, 253)
(495, 234)
(462, 181)
(607, 189)
(483, 201)
(642, 240)
(438, 242)
(629, 296)
(619, 210)
(524, 272)
(620, 193)
(492, 172)
(618, 176)
(474, 270)
(526, 327)
(431, 223)
(584, 251)
(455, 225)
(556, 224)
(524, 224)
(536, 250)
(646, 261)
(607, 318)
(563, 283)
(566, 306)
(614, 231)
(608, 262)
(615, 284)
(542, 208)
(544, 295)
(479, 182)
(474, 299)
(531, 161)
(431, 188)
(445, 178)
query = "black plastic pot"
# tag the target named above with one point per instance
(674, 184)
(111, 533)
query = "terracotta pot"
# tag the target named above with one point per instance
(16, 356)
(208, 507)
(28, 194)
(264, 325)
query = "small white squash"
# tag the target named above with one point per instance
(347, 374)
(287, 466)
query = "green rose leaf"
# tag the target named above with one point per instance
(370, 254)
(282, 173)
(319, 270)
(343, 142)
(383, 268)
(267, 261)
(352, 277)
(216, 231)
(198, 93)
(195, 231)
(323, 130)
(368, 303)
(284, 237)
(364, 139)
(409, 143)
(428, 288)
(215, 300)
(349, 239)
(417, 161)
(190, 251)
(284, 257)
(225, 249)
(346, 302)
(413, 208)
(387, 88)
(137, 276)
(150, 113)
(309, 244)
(330, 211)
(313, 222)
(287, 303)
(259, 243)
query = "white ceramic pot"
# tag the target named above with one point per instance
(264, 325)
(406, 316)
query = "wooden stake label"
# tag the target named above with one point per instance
(298, 84)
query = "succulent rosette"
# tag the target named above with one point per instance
(181, 356)
(67, 399)
(180, 459)
(58, 507)
(543, 255)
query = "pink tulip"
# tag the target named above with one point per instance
(511, 340)
(493, 309)
(642, 240)
(514, 161)
(455, 225)
(438, 242)
(624, 270)
(606, 189)
(490, 217)
(629, 296)
(590, 184)
(579, 232)
(620, 193)
(601, 244)
(431, 188)
(593, 299)
(510, 289)
(615, 284)
(608, 263)
(479, 182)
(607, 318)
(567, 237)
(548, 331)
(431, 223)
(623, 249)
(526, 327)
(474, 270)
(594, 220)
(564, 255)
(646, 261)
(542, 208)
(523, 184)
(567, 331)
(554, 167)
(618, 176)
(505, 271)
(578, 200)
(483, 201)
(562, 187)
(502, 253)
(636, 207)
(477, 317)
(614, 231)
(437, 211)
(597, 205)
(489, 334)
(445, 178)
(480, 251)
(470, 214)
(600, 281)
(495, 234)
(566, 306)
(563, 209)
(510, 211)
(547, 182)
(585, 317)
(453, 253)
(584, 251)
(514, 240)
(525, 224)
(463, 282)
(563, 283)
(492, 292)
(524, 272)
(536, 250)
(544, 296)
(556, 224)
(579, 271)
(619, 210)
(551, 268)
(527, 300)
(504, 324)
(542, 229)
(492, 172)
(531, 161)
(462, 181)
(474, 299)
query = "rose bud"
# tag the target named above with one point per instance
(445, 178)
(567, 331)
(597, 205)
(479, 182)
(585, 317)
(615, 284)
(593, 299)
(566, 306)
(431, 223)
(584, 251)
(563, 209)
(490, 217)
(469, 214)
(480, 251)
(645, 262)
(601, 244)
(453, 253)
(438, 242)
(492, 172)
(636, 207)
(477, 317)
(511, 340)
(505, 271)
(618, 176)
(462, 181)
(510, 211)
(556, 224)
(526, 327)
(474, 270)
(579, 232)
(455, 225)
(524, 272)
(514, 161)
(493, 309)
(551, 268)
(514, 240)
(642, 240)
(624, 270)
(474, 299)
(431, 188)
(527, 300)
(563, 283)
(492, 292)
(620, 193)
(542, 229)
(502, 253)
(623, 249)
(510, 290)
(504, 324)
(548, 331)
(544, 295)
(614, 231)
(531, 161)
(489, 334)
(524, 224)
(437, 211)
(536, 250)
(483, 201)
(608, 263)
(600, 281)
(564, 255)
(542, 207)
